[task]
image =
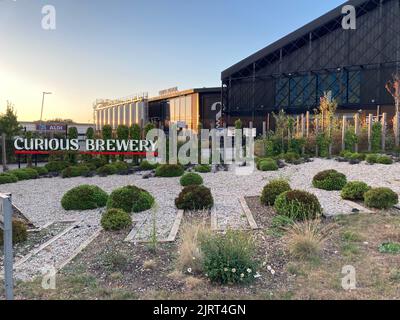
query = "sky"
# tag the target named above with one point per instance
(115, 48)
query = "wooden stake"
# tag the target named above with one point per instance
(384, 128)
(370, 120)
(344, 123)
(356, 128)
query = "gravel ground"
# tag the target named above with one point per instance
(40, 201)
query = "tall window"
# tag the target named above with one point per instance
(282, 93)
(354, 86)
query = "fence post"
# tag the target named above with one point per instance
(6, 212)
(396, 128)
(307, 124)
(370, 120)
(356, 128)
(384, 129)
(4, 152)
(344, 123)
(264, 129)
(316, 135)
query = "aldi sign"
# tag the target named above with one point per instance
(51, 127)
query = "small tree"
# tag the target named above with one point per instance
(134, 134)
(10, 127)
(393, 87)
(72, 134)
(238, 124)
(107, 135)
(122, 134)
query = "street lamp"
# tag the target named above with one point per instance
(41, 112)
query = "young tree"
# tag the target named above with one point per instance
(393, 87)
(107, 135)
(122, 134)
(72, 134)
(134, 134)
(10, 127)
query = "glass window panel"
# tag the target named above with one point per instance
(282, 92)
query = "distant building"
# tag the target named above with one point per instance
(125, 111)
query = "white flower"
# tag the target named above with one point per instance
(257, 275)
(226, 269)
(234, 270)
(189, 270)
(248, 270)
(242, 275)
(264, 264)
(194, 258)
(269, 268)
(272, 272)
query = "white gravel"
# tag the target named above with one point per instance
(40, 201)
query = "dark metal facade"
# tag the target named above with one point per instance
(293, 73)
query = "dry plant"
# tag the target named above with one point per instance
(305, 239)
(189, 254)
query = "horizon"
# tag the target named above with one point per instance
(87, 58)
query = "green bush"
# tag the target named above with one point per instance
(268, 165)
(170, 170)
(354, 190)
(75, 171)
(229, 258)
(195, 198)
(107, 170)
(121, 167)
(115, 219)
(329, 180)
(272, 190)
(291, 157)
(259, 160)
(41, 170)
(191, 179)
(357, 156)
(130, 199)
(97, 162)
(381, 198)
(56, 166)
(298, 205)
(147, 166)
(384, 159)
(84, 197)
(7, 178)
(25, 174)
(390, 247)
(202, 168)
(19, 232)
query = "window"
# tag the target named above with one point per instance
(282, 93)
(354, 86)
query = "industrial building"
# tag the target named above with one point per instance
(353, 66)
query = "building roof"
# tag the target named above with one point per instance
(317, 23)
(185, 92)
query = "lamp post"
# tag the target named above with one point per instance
(41, 112)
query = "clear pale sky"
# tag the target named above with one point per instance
(115, 48)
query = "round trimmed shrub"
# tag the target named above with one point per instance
(75, 171)
(384, 159)
(170, 170)
(202, 168)
(25, 174)
(372, 158)
(19, 232)
(107, 170)
(56, 166)
(191, 179)
(7, 178)
(298, 205)
(272, 190)
(291, 157)
(330, 180)
(354, 190)
(130, 199)
(98, 162)
(115, 219)
(121, 167)
(381, 198)
(84, 197)
(268, 165)
(195, 198)
(41, 170)
(147, 166)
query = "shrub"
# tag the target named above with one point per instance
(41, 170)
(268, 165)
(170, 170)
(381, 198)
(291, 157)
(75, 171)
(84, 197)
(384, 159)
(357, 156)
(98, 162)
(390, 247)
(116, 219)
(372, 158)
(202, 168)
(56, 166)
(194, 198)
(25, 174)
(7, 178)
(354, 190)
(121, 167)
(130, 199)
(229, 258)
(305, 239)
(191, 179)
(272, 190)
(19, 232)
(329, 180)
(107, 170)
(279, 224)
(298, 205)
(147, 166)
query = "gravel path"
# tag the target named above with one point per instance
(40, 201)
